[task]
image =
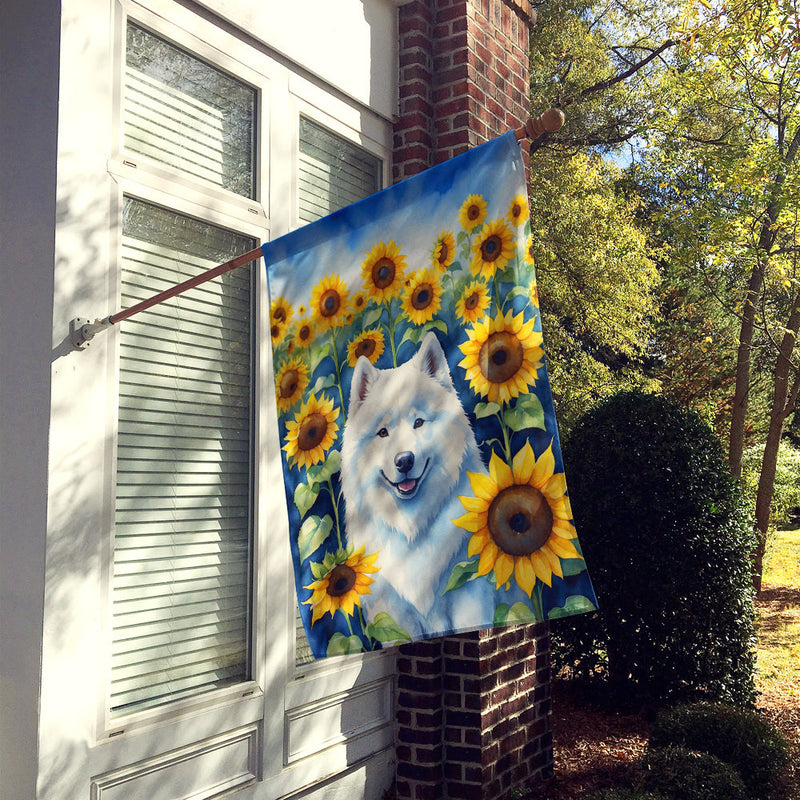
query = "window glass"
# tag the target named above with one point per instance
(187, 114)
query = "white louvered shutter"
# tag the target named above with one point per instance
(182, 543)
(333, 173)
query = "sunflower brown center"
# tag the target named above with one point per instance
(366, 347)
(491, 248)
(383, 272)
(341, 580)
(443, 252)
(473, 212)
(471, 302)
(289, 382)
(304, 333)
(330, 303)
(275, 331)
(280, 314)
(422, 296)
(500, 357)
(516, 210)
(520, 520)
(312, 431)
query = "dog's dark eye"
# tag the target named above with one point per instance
(383, 433)
(418, 422)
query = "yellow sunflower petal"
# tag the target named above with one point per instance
(477, 542)
(541, 568)
(488, 557)
(482, 485)
(524, 463)
(469, 522)
(503, 567)
(562, 547)
(500, 473)
(523, 572)
(553, 560)
(545, 465)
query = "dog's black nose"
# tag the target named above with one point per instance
(404, 461)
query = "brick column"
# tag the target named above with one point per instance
(473, 711)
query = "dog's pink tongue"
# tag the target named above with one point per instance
(407, 485)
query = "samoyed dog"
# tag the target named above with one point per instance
(407, 446)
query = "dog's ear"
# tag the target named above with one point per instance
(433, 360)
(363, 376)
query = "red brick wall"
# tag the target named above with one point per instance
(463, 77)
(473, 711)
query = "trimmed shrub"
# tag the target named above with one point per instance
(683, 774)
(741, 738)
(667, 541)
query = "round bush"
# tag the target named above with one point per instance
(667, 541)
(741, 738)
(683, 774)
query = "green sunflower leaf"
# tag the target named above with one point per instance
(572, 566)
(513, 615)
(325, 471)
(385, 630)
(486, 410)
(323, 382)
(461, 573)
(527, 413)
(313, 532)
(439, 324)
(371, 317)
(305, 495)
(315, 356)
(576, 604)
(412, 334)
(341, 645)
(318, 570)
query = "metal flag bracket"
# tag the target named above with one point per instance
(82, 330)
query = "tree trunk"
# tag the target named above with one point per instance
(784, 399)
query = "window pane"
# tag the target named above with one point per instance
(185, 113)
(333, 172)
(182, 541)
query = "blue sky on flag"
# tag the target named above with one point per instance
(422, 468)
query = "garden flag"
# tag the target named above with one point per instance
(422, 467)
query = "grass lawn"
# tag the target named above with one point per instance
(778, 628)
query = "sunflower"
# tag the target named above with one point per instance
(502, 356)
(312, 432)
(382, 271)
(280, 314)
(529, 259)
(518, 210)
(303, 332)
(472, 213)
(493, 249)
(369, 343)
(520, 519)
(290, 383)
(329, 302)
(474, 301)
(342, 586)
(444, 251)
(533, 292)
(423, 296)
(359, 302)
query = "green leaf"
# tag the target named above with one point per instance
(322, 383)
(439, 324)
(514, 615)
(527, 413)
(313, 532)
(371, 317)
(461, 573)
(341, 645)
(325, 471)
(385, 630)
(572, 566)
(486, 410)
(305, 495)
(318, 570)
(576, 604)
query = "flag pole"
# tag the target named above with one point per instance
(82, 331)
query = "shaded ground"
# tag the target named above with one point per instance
(593, 748)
